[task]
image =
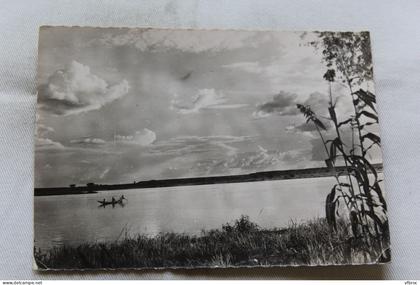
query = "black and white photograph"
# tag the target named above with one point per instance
(183, 148)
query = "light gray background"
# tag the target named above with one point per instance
(395, 33)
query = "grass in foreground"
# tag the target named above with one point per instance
(242, 243)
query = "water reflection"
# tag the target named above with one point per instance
(74, 219)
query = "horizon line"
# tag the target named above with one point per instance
(217, 179)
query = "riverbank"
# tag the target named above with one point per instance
(241, 243)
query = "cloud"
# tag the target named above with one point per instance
(195, 144)
(216, 155)
(42, 130)
(105, 172)
(308, 128)
(88, 141)
(319, 105)
(251, 161)
(283, 103)
(144, 137)
(318, 151)
(185, 40)
(75, 89)
(42, 142)
(46, 143)
(204, 99)
(248, 66)
(258, 160)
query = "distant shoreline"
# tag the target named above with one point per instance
(252, 177)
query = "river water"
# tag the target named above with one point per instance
(75, 219)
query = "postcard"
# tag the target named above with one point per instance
(165, 148)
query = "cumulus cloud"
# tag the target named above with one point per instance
(42, 141)
(75, 89)
(283, 103)
(204, 99)
(318, 102)
(144, 137)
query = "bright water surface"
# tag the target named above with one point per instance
(74, 219)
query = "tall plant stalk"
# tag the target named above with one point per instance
(347, 57)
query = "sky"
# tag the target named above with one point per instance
(124, 105)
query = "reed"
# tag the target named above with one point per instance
(348, 61)
(241, 243)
